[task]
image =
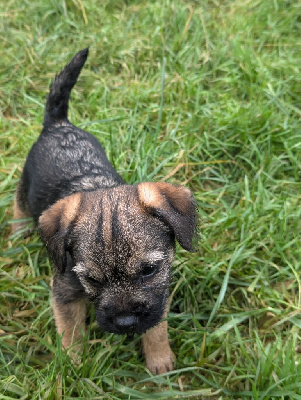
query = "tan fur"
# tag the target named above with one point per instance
(65, 210)
(19, 214)
(158, 354)
(70, 321)
(155, 194)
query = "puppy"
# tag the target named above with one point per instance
(112, 244)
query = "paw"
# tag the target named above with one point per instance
(75, 357)
(74, 351)
(160, 363)
(23, 229)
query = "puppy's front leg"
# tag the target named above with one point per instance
(70, 322)
(158, 354)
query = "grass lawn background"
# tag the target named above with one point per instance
(201, 93)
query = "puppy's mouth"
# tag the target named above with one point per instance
(128, 323)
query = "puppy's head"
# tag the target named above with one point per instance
(121, 241)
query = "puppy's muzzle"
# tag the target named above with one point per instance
(128, 321)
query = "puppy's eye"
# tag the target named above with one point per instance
(92, 281)
(148, 270)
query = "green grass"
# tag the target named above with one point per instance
(202, 93)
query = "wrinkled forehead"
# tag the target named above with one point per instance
(130, 234)
(120, 233)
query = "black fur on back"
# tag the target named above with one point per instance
(64, 159)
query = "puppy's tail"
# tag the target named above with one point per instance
(60, 89)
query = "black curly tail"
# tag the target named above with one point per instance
(57, 102)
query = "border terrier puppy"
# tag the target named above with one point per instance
(112, 244)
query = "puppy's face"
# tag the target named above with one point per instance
(121, 242)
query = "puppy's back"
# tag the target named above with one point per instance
(65, 159)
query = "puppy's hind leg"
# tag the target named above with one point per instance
(158, 354)
(20, 210)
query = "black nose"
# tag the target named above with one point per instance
(126, 322)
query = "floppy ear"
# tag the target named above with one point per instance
(173, 204)
(54, 227)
